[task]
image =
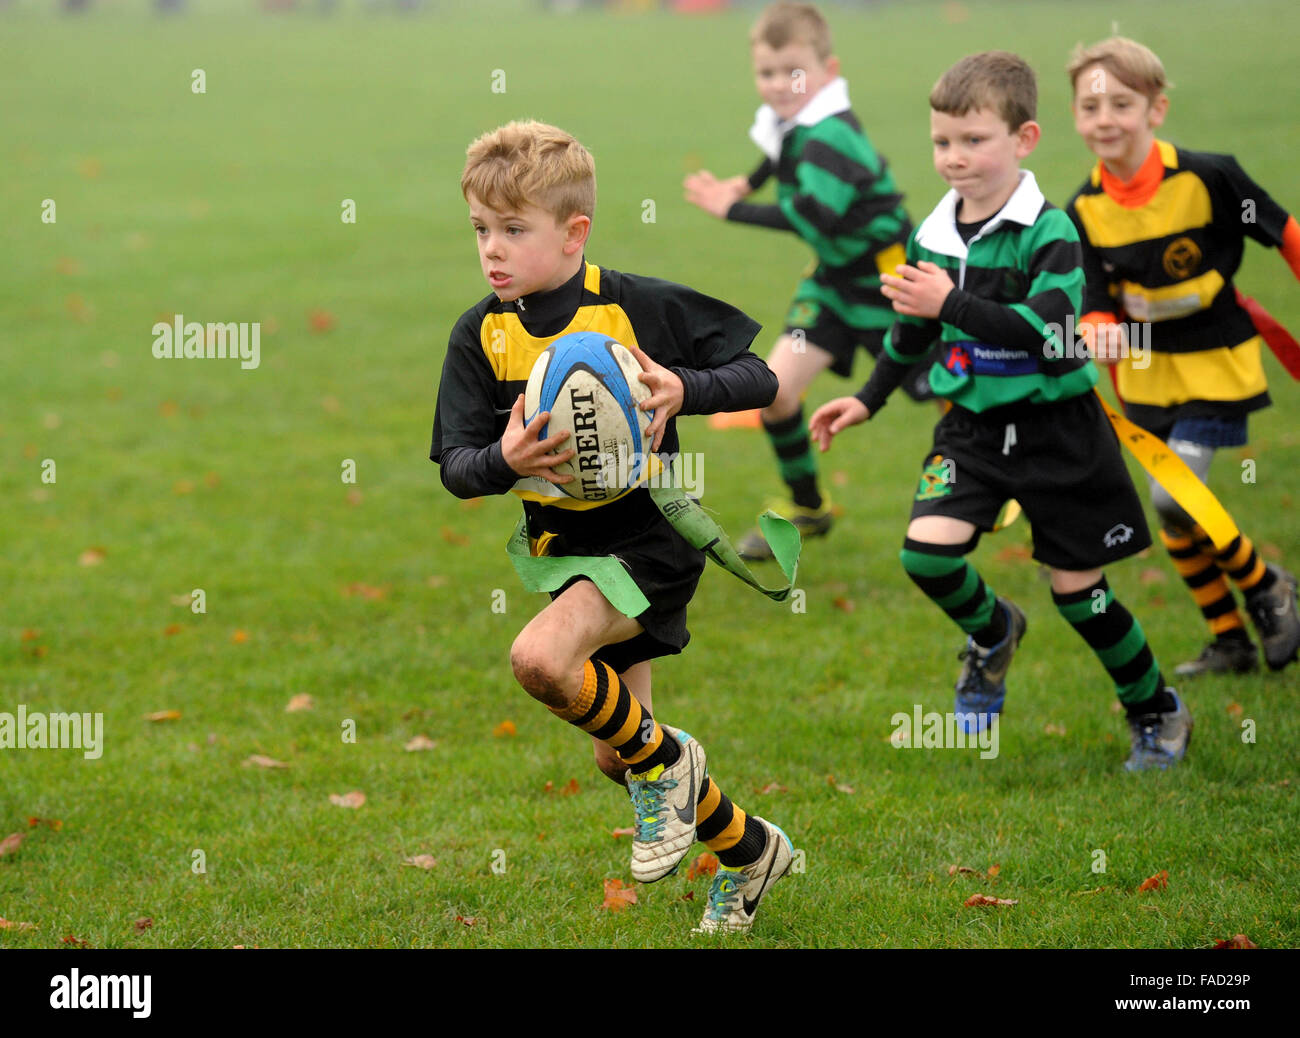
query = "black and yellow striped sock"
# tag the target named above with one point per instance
(1206, 582)
(1114, 634)
(725, 829)
(606, 709)
(955, 586)
(1241, 562)
(794, 455)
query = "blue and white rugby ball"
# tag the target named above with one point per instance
(588, 382)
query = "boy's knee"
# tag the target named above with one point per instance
(788, 400)
(536, 672)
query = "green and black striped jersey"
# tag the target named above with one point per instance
(837, 193)
(1006, 326)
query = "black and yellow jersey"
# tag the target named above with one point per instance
(1162, 249)
(491, 353)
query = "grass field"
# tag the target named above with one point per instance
(376, 597)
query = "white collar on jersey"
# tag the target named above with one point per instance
(769, 129)
(938, 231)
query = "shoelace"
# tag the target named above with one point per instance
(648, 800)
(982, 690)
(723, 893)
(1148, 733)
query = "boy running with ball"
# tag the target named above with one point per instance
(996, 269)
(531, 190)
(1163, 230)
(835, 191)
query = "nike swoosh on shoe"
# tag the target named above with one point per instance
(749, 905)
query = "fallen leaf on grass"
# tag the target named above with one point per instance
(1052, 728)
(141, 925)
(29, 635)
(171, 629)
(452, 537)
(69, 939)
(163, 715)
(52, 823)
(830, 781)
(354, 496)
(11, 843)
(419, 742)
(505, 728)
(366, 591)
(468, 920)
(570, 788)
(773, 787)
(260, 760)
(1013, 553)
(976, 900)
(1239, 941)
(5, 924)
(953, 870)
(1157, 882)
(1151, 575)
(629, 831)
(994, 869)
(320, 320)
(354, 799)
(420, 861)
(844, 605)
(688, 896)
(91, 557)
(704, 865)
(617, 896)
(302, 701)
(239, 636)
(1235, 709)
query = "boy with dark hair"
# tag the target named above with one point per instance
(996, 270)
(1162, 230)
(531, 190)
(836, 192)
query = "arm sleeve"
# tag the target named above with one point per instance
(759, 215)
(1096, 284)
(476, 472)
(1055, 274)
(762, 174)
(887, 376)
(739, 385)
(1243, 205)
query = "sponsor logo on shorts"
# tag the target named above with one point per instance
(936, 479)
(1118, 534)
(803, 313)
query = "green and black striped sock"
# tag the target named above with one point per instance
(955, 586)
(794, 455)
(1114, 634)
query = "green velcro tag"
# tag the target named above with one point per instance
(696, 527)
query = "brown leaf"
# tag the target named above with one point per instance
(420, 861)
(773, 787)
(570, 788)
(172, 629)
(10, 843)
(5, 924)
(163, 715)
(354, 496)
(704, 865)
(1157, 882)
(452, 537)
(994, 869)
(321, 320)
(260, 760)
(366, 591)
(977, 900)
(69, 939)
(169, 409)
(141, 925)
(1152, 575)
(1013, 553)
(51, 823)
(505, 728)
(1051, 728)
(30, 634)
(239, 636)
(954, 870)
(624, 832)
(617, 896)
(419, 742)
(688, 896)
(354, 799)
(1239, 941)
(1235, 709)
(468, 920)
(91, 557)
(549, 787)
(300, 701)
(844, 605)
(840, 478)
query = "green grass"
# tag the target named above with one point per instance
(225, 206)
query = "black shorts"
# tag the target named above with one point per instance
(1060, 461)
(818, 325)
(660, 562)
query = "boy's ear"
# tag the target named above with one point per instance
(833, 66)
(1027, 138)
(1159, 108)
(576, 230)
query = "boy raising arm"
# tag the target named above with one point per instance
(996, 270)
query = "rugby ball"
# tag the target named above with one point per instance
(588, 382)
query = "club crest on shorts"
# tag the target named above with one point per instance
(937, 478)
